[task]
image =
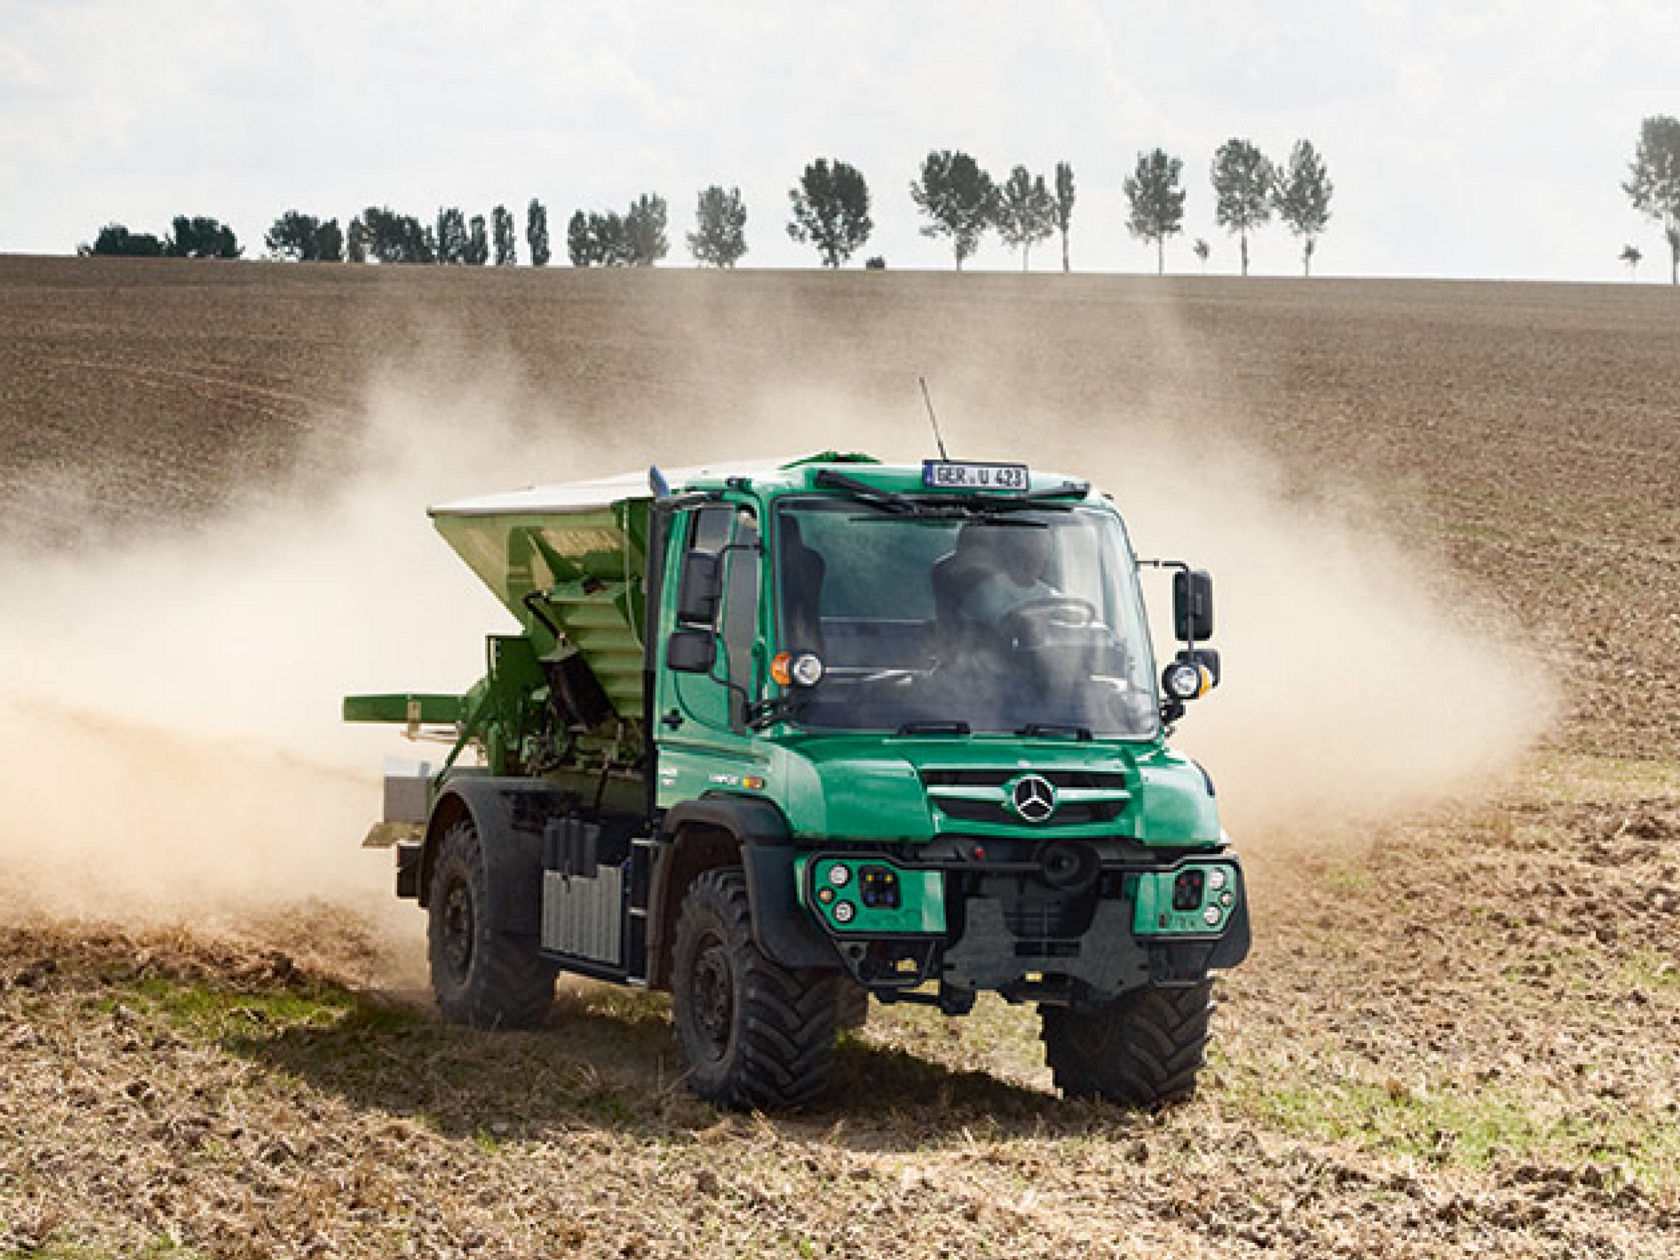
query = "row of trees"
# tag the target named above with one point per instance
(188, 238)
(829, 209)
(1248, 189)
(384, 235)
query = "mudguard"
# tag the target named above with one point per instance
(500, 810)
(781, 928)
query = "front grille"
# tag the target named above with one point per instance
(1073, 814)
(1104, 780)
(1084, 797)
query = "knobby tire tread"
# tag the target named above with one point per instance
(781, 1053)
(508, 985)
(1144, 1049)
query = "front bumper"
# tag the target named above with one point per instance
(1076, 924)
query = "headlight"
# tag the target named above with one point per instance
(1182, 680)
(802, 669)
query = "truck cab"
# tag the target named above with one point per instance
(784, 738)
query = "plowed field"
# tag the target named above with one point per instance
(1446, 523)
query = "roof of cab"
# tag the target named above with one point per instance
(598, 492)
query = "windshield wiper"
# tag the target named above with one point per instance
(1042, 729)
(934, 728)
(886, 500)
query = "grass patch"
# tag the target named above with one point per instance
(1479, 1129)
(1652, 971)
(216, 1014)
(1566, 778)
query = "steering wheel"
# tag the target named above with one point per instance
(1029, 619)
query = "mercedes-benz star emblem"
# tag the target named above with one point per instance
(1034, 798)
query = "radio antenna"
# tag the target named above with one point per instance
(932, 419)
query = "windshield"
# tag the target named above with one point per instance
(1025, 621)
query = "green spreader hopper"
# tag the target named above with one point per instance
(568, 561)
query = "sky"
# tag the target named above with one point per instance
(1480, 139)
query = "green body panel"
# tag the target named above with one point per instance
(867, 788)
(920, 896)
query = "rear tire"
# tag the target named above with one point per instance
(481, 976)
(756, 1034)
(1142, 1050)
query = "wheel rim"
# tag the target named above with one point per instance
(713, 996)
(457, 930)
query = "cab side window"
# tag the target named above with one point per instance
(733, 531)
(740, 603)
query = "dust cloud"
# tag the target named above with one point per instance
(170, 743)
(169, 737)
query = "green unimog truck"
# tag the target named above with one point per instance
(783, 737)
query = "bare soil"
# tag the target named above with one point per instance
(1459, 1032)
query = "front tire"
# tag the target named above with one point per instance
(756, 1034)
(481, 976)
(1144, 1049)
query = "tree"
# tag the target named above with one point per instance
(1201, 250)
(305, 238)
(644, 231)
(536, 233)
(1302, 197)
(597, 240)
(1026, 212)
(199, 237)
(478, 243)
(356, 241)
(720, 223)
(115, 240)
(958, 197)
(831, 210)
(502, 231)
(1157, 202)
(294, 235)
(1242, 186)
(1632, 257)
(579, 242)
(1654, 186)
(329, 242)
(452, 238)
(390, 237)
(1064, 206)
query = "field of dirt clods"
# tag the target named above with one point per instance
(1446, 526)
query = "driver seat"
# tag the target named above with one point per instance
(954, 578)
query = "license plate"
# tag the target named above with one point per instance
(962, 475)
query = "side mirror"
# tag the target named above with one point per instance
(1193, 604)
(691, 650)
(699, 587)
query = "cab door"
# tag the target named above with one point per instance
(702, 730)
